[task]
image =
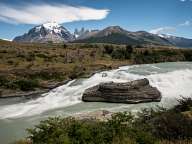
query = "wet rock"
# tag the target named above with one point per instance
(137, 91)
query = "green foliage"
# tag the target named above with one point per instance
(129, 49)
(188, 55)
(148, 127)
(168, 124)
(68, 130)
(21, 84)
(24, 85)
(185, 104)
(3, 80)
(172, 125)
(46, 75)
(122, 53)
(156, 56)
(118, 52)
(108, 49)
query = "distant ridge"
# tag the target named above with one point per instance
(117, 35)
(53, 32)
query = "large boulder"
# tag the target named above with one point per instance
(137, 91)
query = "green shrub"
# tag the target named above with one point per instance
(148, 127)
(117, 54)
(47, 74)
(129, 49)
(173, 126)
(188, 55)
(108, 49)
(122, 53)
(3, 80)
(24, 85)
(185, 104)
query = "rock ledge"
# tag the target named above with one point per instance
(138, 91)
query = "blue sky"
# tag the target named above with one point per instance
(157, 16)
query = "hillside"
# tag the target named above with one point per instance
(34, 67)
(117, 35)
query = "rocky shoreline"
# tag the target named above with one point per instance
(38, 92)
(35, 93)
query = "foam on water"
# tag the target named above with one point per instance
(172, 85)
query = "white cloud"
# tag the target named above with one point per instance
(186, 0)
(186, 23)
(163, 30)
(41, 13)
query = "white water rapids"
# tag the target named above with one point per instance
(16, 114)
(172, 79)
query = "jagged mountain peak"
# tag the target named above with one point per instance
(50, 31)
(114, 29)
(51, 25)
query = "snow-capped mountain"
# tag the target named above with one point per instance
(6, 39)
(114, 34)
(177, 41)
(45, 33)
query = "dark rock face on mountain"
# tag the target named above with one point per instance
(49, 32)
(117, 35)
(138, 91)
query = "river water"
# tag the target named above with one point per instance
(16, 114)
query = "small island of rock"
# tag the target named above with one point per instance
(138, 91)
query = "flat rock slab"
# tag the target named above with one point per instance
(138, 91)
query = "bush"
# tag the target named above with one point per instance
(108, 49)
(3, 80)
(129, 49)
(47, 74)
(118, 54)
(24, 85)
(168, 124)
(122, 53)
(149, 127)
(188, 55)
(172, 125)
(185, 104)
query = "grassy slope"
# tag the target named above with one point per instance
(29, 67)
(46, 64)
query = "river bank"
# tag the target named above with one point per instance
(31, 69)
(16, 114)
(149, 126)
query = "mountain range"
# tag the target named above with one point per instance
(53, 32)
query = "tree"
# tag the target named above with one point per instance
(129, 49)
